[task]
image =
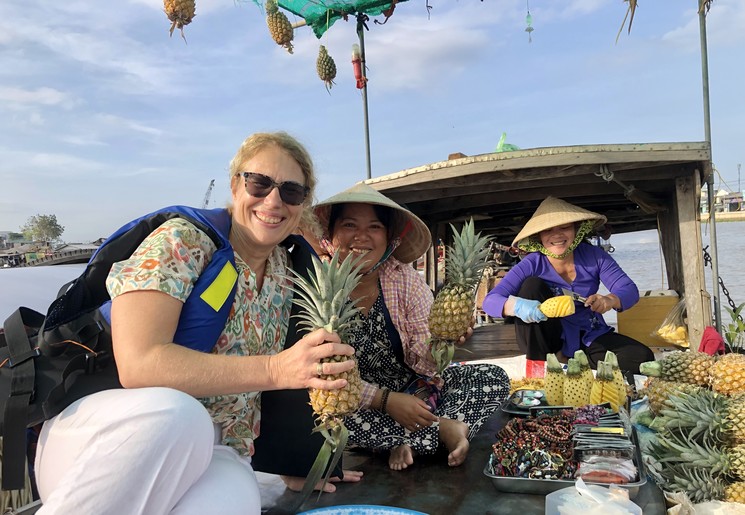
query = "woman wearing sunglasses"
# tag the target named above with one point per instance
(178, 438)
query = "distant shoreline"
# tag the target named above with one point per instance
(734, 216)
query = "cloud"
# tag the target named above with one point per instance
(118, 122)
(40, 96)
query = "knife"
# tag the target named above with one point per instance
(574, 295)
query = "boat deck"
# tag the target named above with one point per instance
(430, 486)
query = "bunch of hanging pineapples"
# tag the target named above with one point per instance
(451, 314)
(325, 299)
(180, 13)
(325, 67)
(280, 27)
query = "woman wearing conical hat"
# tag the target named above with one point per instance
(559, 257)
(404, 410)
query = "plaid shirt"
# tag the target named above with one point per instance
(408, 299)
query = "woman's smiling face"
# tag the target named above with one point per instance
(558, 239)
(359, 231)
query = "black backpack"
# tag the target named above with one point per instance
(49, 362)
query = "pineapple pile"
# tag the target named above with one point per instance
(180, 13)
(699, 403)
(326, 67)
(324, 296)
(452, 311)
(560, 306)
(280, 27)
(577, 387)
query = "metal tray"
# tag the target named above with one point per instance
(509, 407)
(521, 485)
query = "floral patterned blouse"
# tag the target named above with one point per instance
(170, 260)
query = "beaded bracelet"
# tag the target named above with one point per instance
(384, 400)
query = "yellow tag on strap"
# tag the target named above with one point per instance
(217, 292)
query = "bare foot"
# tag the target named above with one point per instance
(454, 434)
(401, 457)
(296, 484)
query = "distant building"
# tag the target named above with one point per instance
(724, 202)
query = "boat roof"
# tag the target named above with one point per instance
(501, 190)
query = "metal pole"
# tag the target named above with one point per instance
(361, 18)
(710, 178)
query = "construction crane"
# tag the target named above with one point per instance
(206, 200)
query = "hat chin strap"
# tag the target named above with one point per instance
(536, 246)
(392, 246)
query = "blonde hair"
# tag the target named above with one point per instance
(257, 142)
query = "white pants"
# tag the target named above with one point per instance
(146, 451)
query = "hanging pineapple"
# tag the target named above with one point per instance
(280, 27)
(452, 311)
(326, 67)
(180, 12)
(325, 299)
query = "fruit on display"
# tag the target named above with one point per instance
(560, 306)
(684, 366)
(452, 311)
(728, 374)
(675, 334)
(325, 67)
(554, 388)
(706, 414)
(735, 492)
(659, 390)
(576, 388)
(324, 299)
(180, 13)
(603, 389)
(527, 383)
(280, 27)
(584, 366)
(618, 379)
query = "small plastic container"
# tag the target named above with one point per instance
(590, 500)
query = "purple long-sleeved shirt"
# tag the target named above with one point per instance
(593, 266)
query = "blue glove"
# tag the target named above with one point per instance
(527, 310)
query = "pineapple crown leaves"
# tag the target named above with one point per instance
(573, 367)
(604, 371)
(442, 351)
(702, 414)
(580, 356)
(611, 358)
(552, 363)
(336, 437)
(467, 257)
(681, 450)
(651, 368)
(324, 295)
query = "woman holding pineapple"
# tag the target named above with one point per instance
(559, 259)
(403, 409)
(178, 438)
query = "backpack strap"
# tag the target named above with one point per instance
(20, 361)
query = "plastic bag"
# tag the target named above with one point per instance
(673, 328)
(591, 500)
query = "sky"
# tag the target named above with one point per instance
(104, 117)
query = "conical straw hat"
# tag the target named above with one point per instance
(415, 236)
(553, 212)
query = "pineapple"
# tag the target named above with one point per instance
(279, 26)
(527, 383)
(735, 492)
(576, 389)
(658, 391)
(325, 299)
(326, 67)
(554, 381)
(618, 378)
(683, 366)
(728, 374)
(698, 484)
(603, 389)
(180, 12)
(671, 447)
(584, 366)
(560, 306)
(452, 311)
(706, 414)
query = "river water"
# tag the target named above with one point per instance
(640, 255)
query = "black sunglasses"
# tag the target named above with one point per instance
(260, 185)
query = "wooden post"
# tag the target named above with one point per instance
(687, 193)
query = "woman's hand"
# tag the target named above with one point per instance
(603, 303)
(462, 340)
(410, 411)
(300, 366)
